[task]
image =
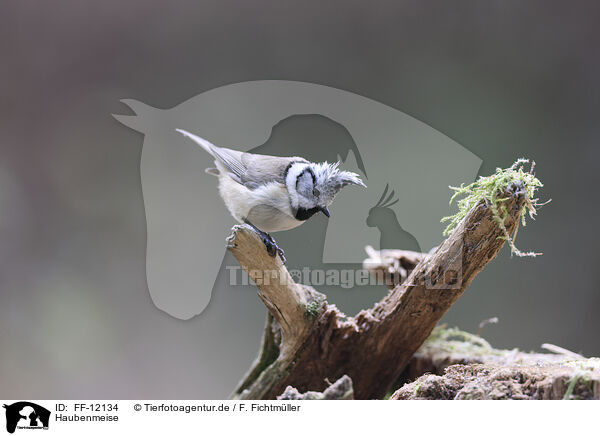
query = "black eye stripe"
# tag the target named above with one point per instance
(312, 174)
(288, 167)
(299, 177)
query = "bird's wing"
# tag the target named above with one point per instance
(232, 160)
(248, 169)
(263, 169)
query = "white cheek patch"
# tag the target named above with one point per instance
(290, 181)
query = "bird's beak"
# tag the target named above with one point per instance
(326, 212)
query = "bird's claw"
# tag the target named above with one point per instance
(281, 255)
(272, 247)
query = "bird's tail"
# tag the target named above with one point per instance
(209, 147)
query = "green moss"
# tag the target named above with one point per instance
(584, 370)
(417, 387)
(571, 387)
(455, 341)
(492, 190)
(311, 310)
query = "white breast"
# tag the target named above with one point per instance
(267, 207)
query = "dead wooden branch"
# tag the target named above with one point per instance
(308, 341)
(394, 265)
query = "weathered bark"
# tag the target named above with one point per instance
(318, 342)
(340, 390)
(393, 266)
(456, 365)
(578, 379)
(450, 346)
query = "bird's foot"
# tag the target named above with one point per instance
(272, 247)
(270, 244)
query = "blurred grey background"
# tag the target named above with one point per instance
(504, 79)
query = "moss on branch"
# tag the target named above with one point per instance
(492, 190)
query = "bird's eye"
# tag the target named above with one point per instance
(316, 192)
